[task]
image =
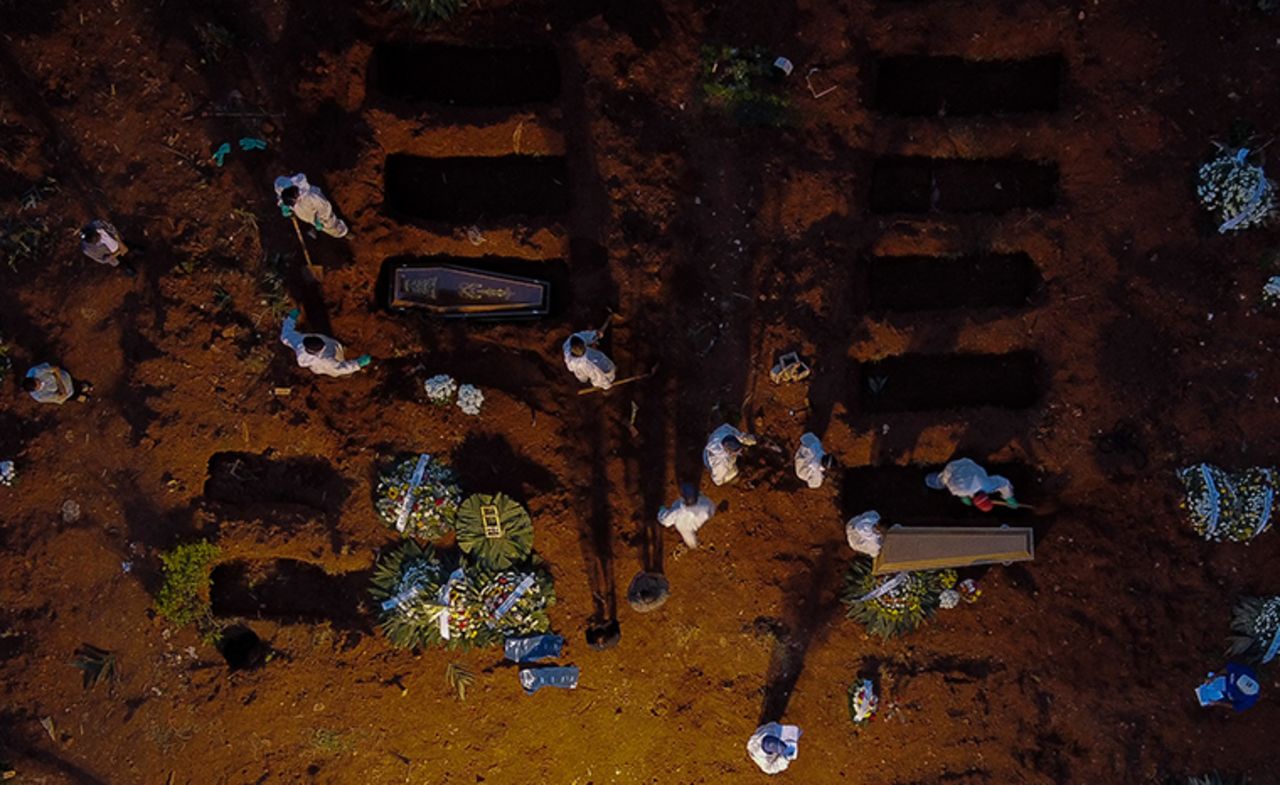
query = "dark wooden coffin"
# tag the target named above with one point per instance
(459, 292)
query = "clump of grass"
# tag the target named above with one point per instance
(184, 596)
(427, 11)
(459, 678)
(330, 742)
(97, 665)
(22, 241)
(741, 83)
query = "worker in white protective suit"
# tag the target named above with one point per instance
(773, 746)
(812, 461)
(863, 533)
(970, 483)
(320, 354)
(720, 456)
(300, 199)
(589, 364)
(687, 514)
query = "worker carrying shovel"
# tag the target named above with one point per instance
(302, 201)
(969, 482)
(587, 363)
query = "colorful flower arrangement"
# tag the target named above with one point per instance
(1227, 505)
(419, 502)
(1256, 624)
(1236, 192)
(892, 605)
(430, 598)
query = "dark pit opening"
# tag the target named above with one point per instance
(903, 184)
(289, 591)
(245, 478)
(925, 382)
(954, 86)
(242, 648)
(466, 75)
(899, 494)
(932, 283)
(553, 271)
(471, 189)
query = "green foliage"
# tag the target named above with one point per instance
(495, 530)
(427, 11)
(900, 610)
(459, 679)
(22, 241)
(741, 83)
(1255, 622)
(184, 596)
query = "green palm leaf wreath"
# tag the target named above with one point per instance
(494, 530)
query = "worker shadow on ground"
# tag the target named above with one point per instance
(489, 463)
(813, 592)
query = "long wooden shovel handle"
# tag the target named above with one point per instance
(311, 267)
(619, 383)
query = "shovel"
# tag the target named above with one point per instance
(314, 273)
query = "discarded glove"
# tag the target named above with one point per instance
(363, 360)
(250, 143)
(222, 152)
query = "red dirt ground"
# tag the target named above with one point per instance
(721, 246)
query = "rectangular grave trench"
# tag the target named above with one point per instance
(288, 591)
(912, 184)
(956, 87)
(899, 494)
(943, 382)
(245, 479)
(933, 283)
(476, 188)
(469, 76)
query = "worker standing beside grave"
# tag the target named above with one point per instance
(320, 354)
(300, 199)
(971, 483)
(812, 461)
(687, 514)
(101, 242)
(720, 456)
(589, 364)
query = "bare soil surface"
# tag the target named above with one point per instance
(1133, 347)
